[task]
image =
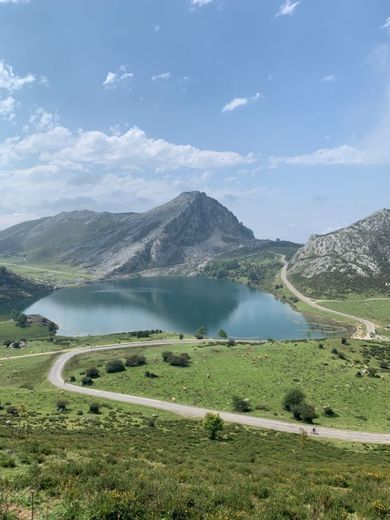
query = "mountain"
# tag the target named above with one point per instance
(187, 230)
(14, 287)
(353, 259)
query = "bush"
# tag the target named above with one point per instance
(372, 372)
(241, 405)
(167, 356)
(94, 408)
(292, 398)
(115, 365)
(384, 364)
(304, 411)
(12, 410)
(231, 342)
(182, 360)
(334, 351)
(135, 360)
(321, 345)
(329, 412)
(344, 341)
(181, 336)
(150, 375)
(62, 405)
(86, 381)
(213, 423)
(93, 373)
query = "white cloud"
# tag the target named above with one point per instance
(42, 120)
(386, 25)
(241, 102)
(113, 79)
(14, 1)
(330, 78)
(287, 8)
(46, 171)
(200, 3)
(8, 107)
(11, 82)
(164, 76)
(157, 28)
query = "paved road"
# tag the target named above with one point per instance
(369, 326)
(56, 378)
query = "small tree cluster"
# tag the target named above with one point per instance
(181, 360)
(201, 333)
(144, 333)
(295, 402)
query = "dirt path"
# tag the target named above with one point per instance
(369, 328)
(55, 377)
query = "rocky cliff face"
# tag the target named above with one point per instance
(353, 259)
(187, 229)
(14, 287)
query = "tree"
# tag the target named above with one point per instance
(21, 320)
(222, 334)
(213, 423)
(201, 333)
(292, 398)
(115, 365)
(240, 404)
(53, 327)
(304, 411)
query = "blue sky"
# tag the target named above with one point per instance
(280, 109)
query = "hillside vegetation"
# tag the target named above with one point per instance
(68, 457)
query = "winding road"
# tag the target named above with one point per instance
(369, 326)
(56, 378)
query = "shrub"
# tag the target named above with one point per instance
(86, 381)
(213, 423)
(93, 373)
(94, 408)
(231, 342)
(384, 364)
(151, 375)
(182, 360)
(329, 412)
(321, 345)
(372, 372)
(334, 351)
(135, 360)
(115, 365)
(304, 411)
(181, 336)
(344, 341)
(12, 410)
(292, 398)
(167, 356)
(341, 355)
(62, 405)
(241, 405)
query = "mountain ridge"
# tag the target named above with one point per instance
(352, 259)
(189, 228)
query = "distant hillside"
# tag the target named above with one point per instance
(353, 259)
(188, 230)
(14, 287)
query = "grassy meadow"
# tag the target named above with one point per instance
(262, 374)
(128, 463)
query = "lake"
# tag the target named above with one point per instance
(172, 304)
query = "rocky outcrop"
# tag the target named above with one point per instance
(351, 260)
